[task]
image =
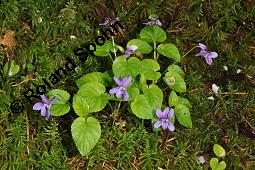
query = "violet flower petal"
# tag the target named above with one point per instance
(126, 95)
(158, 124)
(132, 47)
(164, 124)
(38, 106)
(119, 93)
(208, 60)
(44, 111)
(212, 55)
(158, 23)
(48, 113)
(127, 53)
(114, 90)
(159, 114)
(117, 81)
(44, 99)
(202, 46)
(126, 81)
(170, 113)
(165, 113)
(171, 127)
(202, 53)
(50, 102)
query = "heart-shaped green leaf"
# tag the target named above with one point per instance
(133, 92)
(176, 69)
(80, 106)
(222, 165)
(215, 165)
(174, 100)
(175, 81)
(154, 95)
(182, 114)
(141, 107)
(122, 67)
(60, 106)
(144, 106)
(94, 94)
(85, 133)
(149, 68)
(99, 77)
(153, 16)
(218, 150)
(105, 49)
(153, 34)
(143, 47)
(170, 51)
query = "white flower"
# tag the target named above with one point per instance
(73, 37)
(40, 20)
(225, 68)
(215, 88)
(201, 159)
(211, 98)
(238, 71)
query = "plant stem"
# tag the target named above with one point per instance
(155, 53)
(110, 106)
(154, 56)
(161, 76)
(113, 44)
(189, 51)
(110, 57)
(118, 107)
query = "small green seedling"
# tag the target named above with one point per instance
(214, 162)
(12, 69)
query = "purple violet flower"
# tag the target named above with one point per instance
(44, 106)
(130, 50)
(164, 119)
(153, 21)
(206, 54)
(108, 21)
(121, 91)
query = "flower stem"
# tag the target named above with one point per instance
(118, 107)
(113, 44)
(189, 51)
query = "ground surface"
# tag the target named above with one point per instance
(42, 38)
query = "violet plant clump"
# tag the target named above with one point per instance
(139, 81)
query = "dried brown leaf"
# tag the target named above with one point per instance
(8, 40)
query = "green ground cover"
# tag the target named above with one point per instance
(42, 40)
